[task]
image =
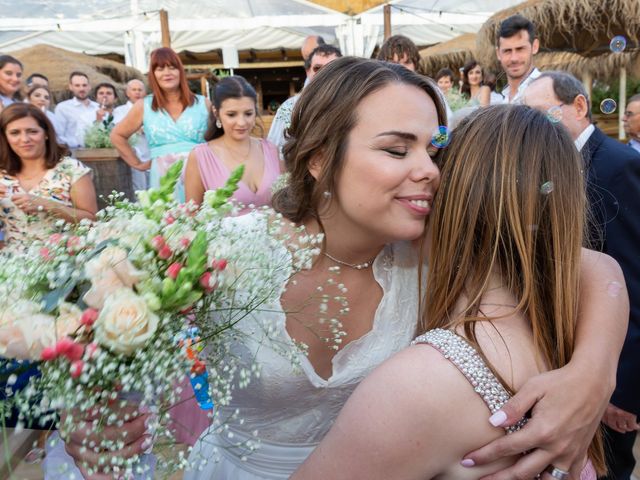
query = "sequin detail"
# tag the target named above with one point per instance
(458, 351)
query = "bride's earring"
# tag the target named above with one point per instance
(218, 124)
(326, 194)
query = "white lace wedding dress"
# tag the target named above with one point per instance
(292, 409)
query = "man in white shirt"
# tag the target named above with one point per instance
(631, 122)
(135, 91)
(75, 116)
(517, 44)
(318, 58)
(106, 97)
(613, 187)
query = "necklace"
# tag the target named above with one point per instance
(243, 159)
(356, 266)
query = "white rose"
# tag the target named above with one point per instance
(108, 272)
(125, 322)
(24, 330)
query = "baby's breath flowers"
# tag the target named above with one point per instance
(117, 312)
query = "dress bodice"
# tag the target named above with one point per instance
(292, 403)
(214, 174)
(168, 136)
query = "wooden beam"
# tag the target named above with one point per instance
(387, 21)
(350, 7)
(164, 28)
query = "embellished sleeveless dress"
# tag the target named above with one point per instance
(458, 351)
(171, 140)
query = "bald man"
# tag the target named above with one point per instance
(309, 45)
(135, 92)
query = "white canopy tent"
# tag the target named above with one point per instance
(132, 27)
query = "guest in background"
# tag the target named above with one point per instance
(320, 56)
(76, 115)
(37, 79)
(174, 119)
(309, 44)
(631, 121)
(10, 80)
(444, 79)
(135, 91)
(38, 181)
(106, 97)
(230, 145)
(400, 49)
(40, 96)
(472, 86)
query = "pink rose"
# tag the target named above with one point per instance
(157, 242)
(165, 252)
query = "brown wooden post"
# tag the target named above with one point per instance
(164, 28)
(387, 21)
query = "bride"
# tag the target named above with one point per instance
(363, 172)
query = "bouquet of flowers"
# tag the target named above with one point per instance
(117, 311)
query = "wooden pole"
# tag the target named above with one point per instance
(587, 81)
(164, 28)
(622, 103)
(387, 21)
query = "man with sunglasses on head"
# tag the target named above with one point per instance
(319, 57)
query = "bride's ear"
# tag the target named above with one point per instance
(316, 165)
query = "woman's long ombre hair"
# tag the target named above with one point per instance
(161, 57)
(511, 201)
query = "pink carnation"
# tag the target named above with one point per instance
(157, 242)
(64, 345)
(89, 316)
(75, 352)
(174, 270)
(48, 354)
(76, 368)
(165, 252)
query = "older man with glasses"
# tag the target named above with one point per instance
(631, 121)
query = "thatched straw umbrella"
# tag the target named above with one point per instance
(452, 54)
(579, 26)
(583, 27)
(57, 64)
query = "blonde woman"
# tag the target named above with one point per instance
(501, 307)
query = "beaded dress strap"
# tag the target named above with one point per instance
(459, 352)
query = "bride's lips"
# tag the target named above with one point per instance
(417, 204)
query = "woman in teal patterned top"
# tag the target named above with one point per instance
(173, 118)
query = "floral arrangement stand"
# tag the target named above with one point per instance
(110, 172)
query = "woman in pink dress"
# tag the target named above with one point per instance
(230, 145)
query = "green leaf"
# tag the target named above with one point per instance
(221, 195)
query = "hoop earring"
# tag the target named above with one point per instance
(218, 124)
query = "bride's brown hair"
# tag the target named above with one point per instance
(321, 122)
(511, 200)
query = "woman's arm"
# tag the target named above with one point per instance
(83, 202)
(412, 418)
(193, 187)
(123, 130)
(562, 425)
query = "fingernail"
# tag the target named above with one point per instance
(467, 462)
(498, 418)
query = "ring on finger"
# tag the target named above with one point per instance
(557, 473)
